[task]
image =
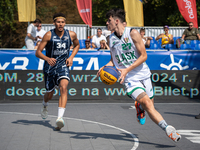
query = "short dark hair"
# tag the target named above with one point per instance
(142, 30)
(116, 12)
(37, 21)
(99, 29)
(58, 15)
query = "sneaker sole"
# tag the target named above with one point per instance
(177, 136)
(59, 125)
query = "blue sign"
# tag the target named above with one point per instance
(93, 60)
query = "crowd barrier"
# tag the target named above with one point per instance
(83, 31)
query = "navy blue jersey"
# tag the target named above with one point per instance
(59, 49)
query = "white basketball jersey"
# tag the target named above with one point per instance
(124, 54)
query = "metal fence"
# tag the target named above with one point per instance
(83, 30)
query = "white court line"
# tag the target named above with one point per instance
(136, 140)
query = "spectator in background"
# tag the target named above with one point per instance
(88, 45)
(166, 38)
(106, 32)
(108, 39)
(97, 38)
(39, 34)
(103, 45)
(31, 34)
(146, 39)
(124, 24)
(190, 33)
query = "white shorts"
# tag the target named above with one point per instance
(30, 44)
(135, 88)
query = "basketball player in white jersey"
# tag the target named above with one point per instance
(128, 55)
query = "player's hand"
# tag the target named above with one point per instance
(39, 37)
(123, 75)
(98, 73)
(51, 61)
(69, 62)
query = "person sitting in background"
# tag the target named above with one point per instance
(166, 37)
(37, 44)
(190, 33)
(124, 24)
(146, 39)
(103, 45)
(106, 32)
(97, 38)
(39, 34)
(88, 45)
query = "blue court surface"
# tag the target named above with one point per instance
(96, 126)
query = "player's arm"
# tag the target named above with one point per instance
(31, 37)
(75, 41)
(198, 36)
(160, 36)
(39, 54)
(137, 40)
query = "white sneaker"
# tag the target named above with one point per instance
(44, 112)
(59, 123)
(172, 134)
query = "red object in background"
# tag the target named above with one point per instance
(188, 10)
(85, 11)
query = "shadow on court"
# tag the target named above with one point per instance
(78, 135)
(89, 135)
(180, 114)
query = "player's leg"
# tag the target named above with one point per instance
(49, 85)
(29, 44)
(156, 117)
(62, 103)
(44, 111)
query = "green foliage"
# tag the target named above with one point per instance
(7, 14)
(159, 13)
(13, 32)
(7, 10)
(100, 8)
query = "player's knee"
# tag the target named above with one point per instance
(147, 104)
(63, 88)
(49, 95)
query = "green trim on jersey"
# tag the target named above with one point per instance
(152, 97)
(129, 93)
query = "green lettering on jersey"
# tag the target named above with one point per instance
(133, 55)
(128, 56)
(124, 58)
(118, 59)
(126, 46)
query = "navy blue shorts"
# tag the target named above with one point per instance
(53, 77)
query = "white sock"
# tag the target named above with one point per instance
(45, 103)
(162, 124)
(61, 112)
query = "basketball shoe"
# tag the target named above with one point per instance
(59, 123)
(140, 114)
(44, 112)
(172, 134)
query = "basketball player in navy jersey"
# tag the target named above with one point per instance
(128, 55)
(57, 43)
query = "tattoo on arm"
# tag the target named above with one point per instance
(141, 95)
